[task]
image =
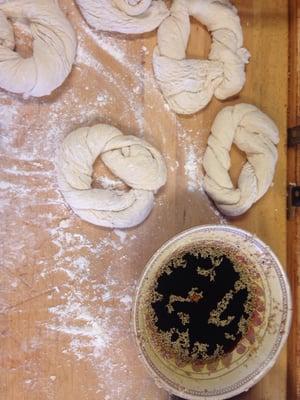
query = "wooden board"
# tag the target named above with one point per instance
(293, 389)
(66, 286)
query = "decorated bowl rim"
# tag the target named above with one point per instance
(251, 382)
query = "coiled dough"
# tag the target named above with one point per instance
(131, 159)
(188, 85)
(256, 134)
(124, 16)
(54, 47)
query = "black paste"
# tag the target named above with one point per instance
(202, 305)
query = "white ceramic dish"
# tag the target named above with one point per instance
(255, 355)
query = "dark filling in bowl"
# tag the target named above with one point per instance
(200, 306)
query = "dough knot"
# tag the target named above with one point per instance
(189, 84)
(124, 16)
(54, 48)
(138, 164)
(256, 134)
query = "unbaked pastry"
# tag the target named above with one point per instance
(188, 85)
(256, 134)
(131, 159)
(124, 16)
(54, 47)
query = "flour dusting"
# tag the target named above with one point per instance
(108, 183)
(73, 283)
(89, 334)
(121, 234)
(191, 169)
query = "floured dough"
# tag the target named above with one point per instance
(254, 133)
(131, 159)
(188, 85)
(124, 16)
(54, 47)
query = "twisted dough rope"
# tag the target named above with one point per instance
(188, 85)
(54, 48)
(254, 133)
(131, 159)
(124, 16)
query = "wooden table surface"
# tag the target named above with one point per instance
(293, 382)
(66, 287)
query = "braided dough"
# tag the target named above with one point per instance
(254, 133)
(131, 159)
(188, 85)
(54, 47)
(124, 16)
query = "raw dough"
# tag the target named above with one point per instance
(188, 85)
(131, 159)
(124, 16)
(54, 47)
(254, 133)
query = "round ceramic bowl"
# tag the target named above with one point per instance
(255, 354)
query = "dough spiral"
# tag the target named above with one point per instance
(124, 16)
(54, 47)
(188, 85)
(131, 159)
(254, 133)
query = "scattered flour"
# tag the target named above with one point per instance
(92, 311)
(145, 50)
(103, 99)
(113, 46)
(127, 300)
(89, 334)
(191, 168)
(46, 246)
(108, 183)
(121, 234)
(7, 119)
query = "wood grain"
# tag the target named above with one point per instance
(293, 382)
(43, 356)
